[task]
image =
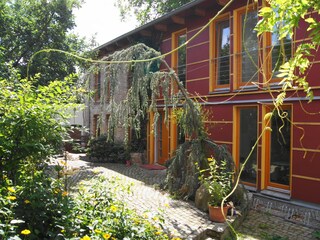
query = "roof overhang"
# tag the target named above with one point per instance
(157, 27)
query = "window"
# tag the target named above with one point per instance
(245, 138)
(278, 145)
(179, 57)
(96, 125)
(97, 87)
(220, 54)
(246, 46)
(277, 53)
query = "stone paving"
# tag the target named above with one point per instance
(182, 218)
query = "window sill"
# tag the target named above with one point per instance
(273, 85)
(220, 90)
(246, 88)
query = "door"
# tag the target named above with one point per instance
(162, 139)
(246, 120)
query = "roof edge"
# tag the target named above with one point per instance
(149, 24)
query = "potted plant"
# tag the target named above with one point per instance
(217, 180)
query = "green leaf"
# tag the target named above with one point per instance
(310, 20)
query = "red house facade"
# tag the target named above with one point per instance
(236, 73)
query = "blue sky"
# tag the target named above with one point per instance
(102, 18)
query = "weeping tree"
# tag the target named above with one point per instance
(147, 84)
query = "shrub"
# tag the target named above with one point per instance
(100, 214)
(102, 150)
(8, 224)
(32, 120)
(42, 203)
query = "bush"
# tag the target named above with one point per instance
(102, 150)
(100, 214)
(38, 207)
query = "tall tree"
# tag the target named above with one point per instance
(146, 10)
(29, 26)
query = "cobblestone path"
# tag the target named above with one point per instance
(182, 218)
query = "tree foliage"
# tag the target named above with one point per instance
(33, 120)
(146, 10)
(29, 26)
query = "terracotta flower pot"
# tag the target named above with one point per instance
(216, 215)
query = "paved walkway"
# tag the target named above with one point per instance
(183, 219)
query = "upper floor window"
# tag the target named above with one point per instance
(246, 46)
(97, 86)
(179, 57)
(278, 52)
(220, 53)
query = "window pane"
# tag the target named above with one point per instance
(182, 59)
(249, 47)
(248, 137)
(280, 149)
(223, 52)
(281, 51)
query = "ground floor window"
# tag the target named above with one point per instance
(278, 147)
(96, 125)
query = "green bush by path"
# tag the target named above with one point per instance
(39, 208)
(102, 150)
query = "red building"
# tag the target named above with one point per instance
(230, 67)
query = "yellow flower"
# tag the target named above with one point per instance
(62, 230)
(176, 238)
(86, 237)
(210, 159)
(158, 233)
(27, 201)
(25, 232)
(11, 198)
(106, 236)
(97, 231)
(63, 163)
(113, 208)
(64, 193)
(11, 189)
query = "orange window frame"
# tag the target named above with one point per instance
(236, 137)
(214, 51)
(237, 49)
(267, 151)
(173, 128)
(174, 45)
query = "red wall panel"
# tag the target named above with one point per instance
(306, 190)
(198, 70)
(306, 136)
(308, 166)
(198, 53)
(198, 87)
(220, 132)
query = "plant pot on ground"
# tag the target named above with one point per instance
(217, 179)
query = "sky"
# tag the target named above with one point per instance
(102, 18)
